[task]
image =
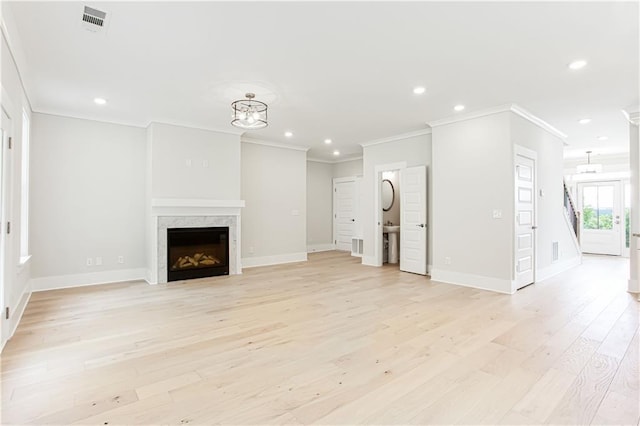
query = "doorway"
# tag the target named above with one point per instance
(412, 231)
(602, 221)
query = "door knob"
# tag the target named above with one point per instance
(353, 220)
(421, 225)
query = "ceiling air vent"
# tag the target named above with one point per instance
(93, 19)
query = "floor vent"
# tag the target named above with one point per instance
(555, 254)
(357, 247)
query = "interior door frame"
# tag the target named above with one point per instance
(579, 201)
(533, 156)
(377, 206)
(626, 251)
(334, 205)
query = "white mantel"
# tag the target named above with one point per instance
(195, 207)
(191, 213)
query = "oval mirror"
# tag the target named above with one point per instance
(388, 195)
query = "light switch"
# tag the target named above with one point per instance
(497, 214)
(295, 213)
(187, 163)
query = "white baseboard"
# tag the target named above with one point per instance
(471, 280)
(93, 278)
(320, 247)
(370, 261)
(251, 262)
(557, 268)
(18, 311)
(634, 287)
(148, 277)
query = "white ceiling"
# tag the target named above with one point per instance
(343, 71)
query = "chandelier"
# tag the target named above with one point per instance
(589, 167)
(249, 113)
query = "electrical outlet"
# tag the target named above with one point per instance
(497, 214)
(447, 261)
(121, 259)
(89, 261)
(98, 261)
(251, 250)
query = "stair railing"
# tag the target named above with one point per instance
(572, 213)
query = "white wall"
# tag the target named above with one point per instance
(274, 187)
(550, 207)
(415, 151)
(16, 278)
(347, 168)
(87, 197)
(194, 163)
(319, 206)
(472, 176)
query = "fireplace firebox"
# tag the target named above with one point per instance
(197, 252)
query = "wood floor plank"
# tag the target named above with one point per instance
(328, 341)
(583, 397)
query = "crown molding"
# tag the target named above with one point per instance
(274, 144)
(537, 121)
(516, 109)
(208, 129)
(470, 115)
(396, 137)
(632, 117)
(342, 160)
(16, 54)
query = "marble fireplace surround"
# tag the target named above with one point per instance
(189, 213)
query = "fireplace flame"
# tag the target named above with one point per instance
(197, 260)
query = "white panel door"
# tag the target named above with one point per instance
(413, 220)
(525, 221)
(344, 210)
(5, 178)
(601, 205)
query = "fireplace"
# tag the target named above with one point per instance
(197, 252)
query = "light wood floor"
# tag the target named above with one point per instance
(328, 341)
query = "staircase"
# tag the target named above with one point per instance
(572, 214)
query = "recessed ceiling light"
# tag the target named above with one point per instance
(288, 134)
(603, 138)
(576, 65)
(336, 152)
(458, 107)
(584, 121)
(100, 101)
(419, 90)
(327, 141)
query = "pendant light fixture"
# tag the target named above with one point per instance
(248, 113)
(589, 168)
